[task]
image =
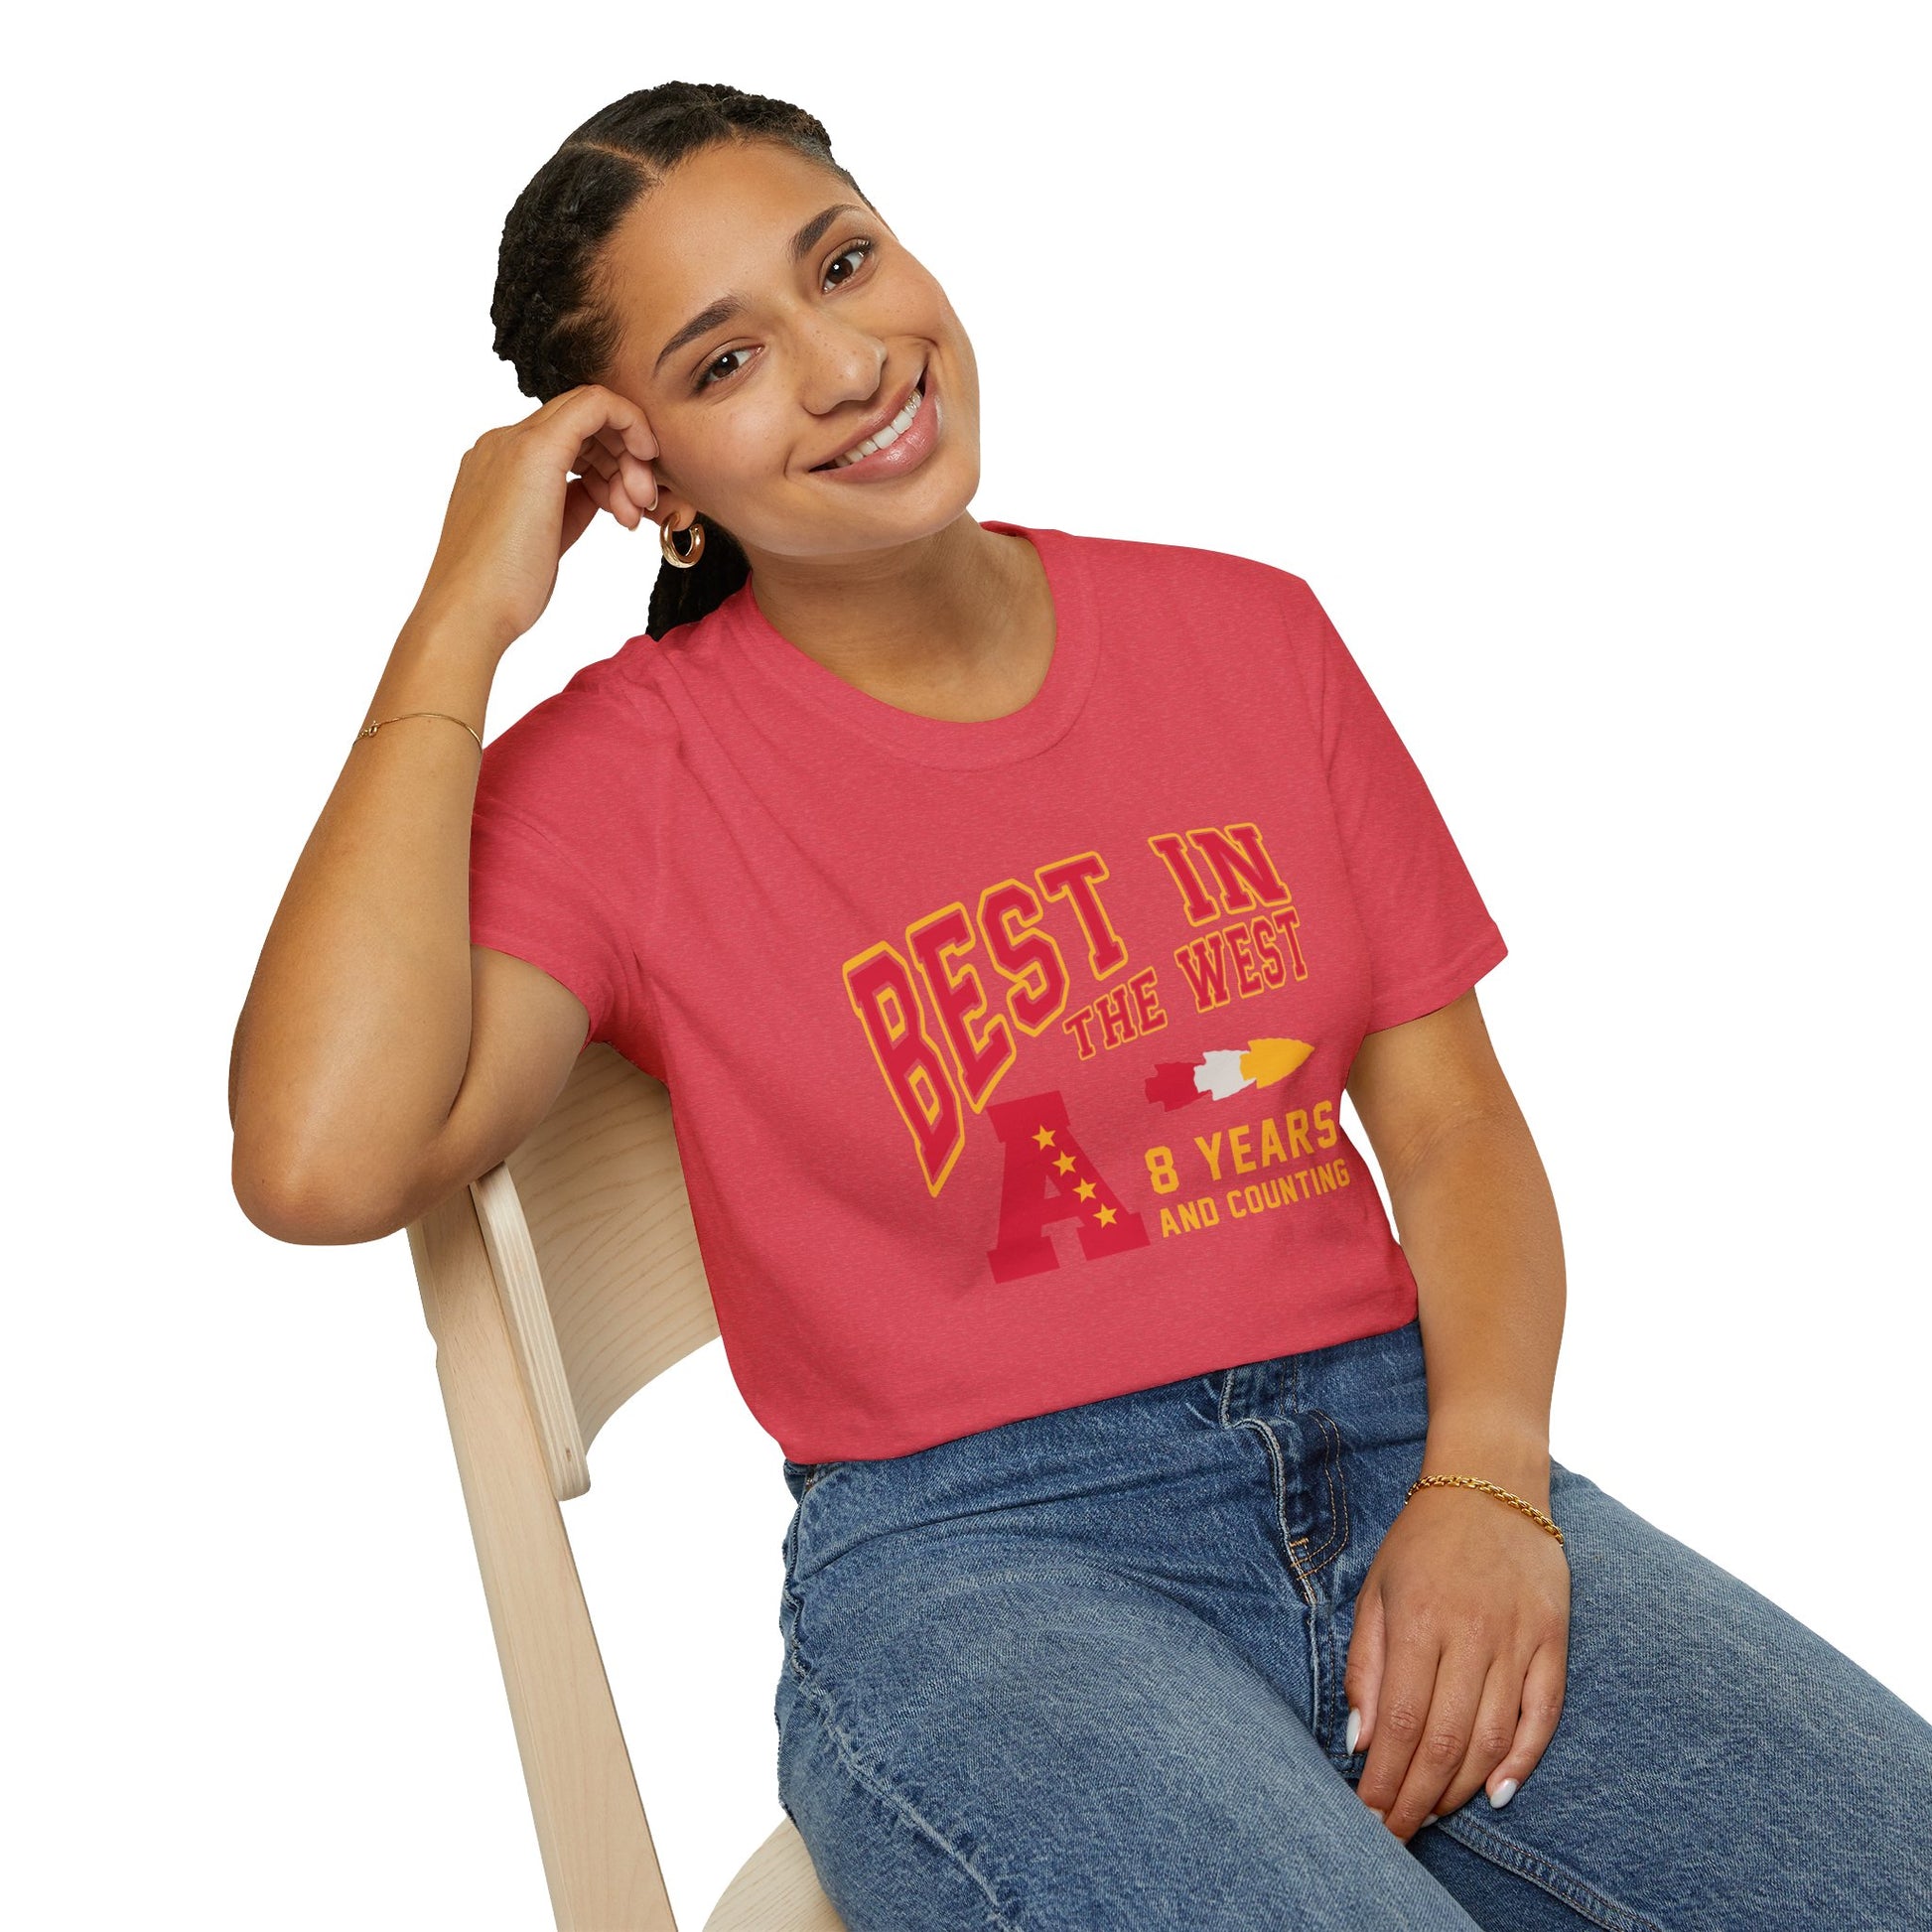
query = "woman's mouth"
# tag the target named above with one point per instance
(902, 445)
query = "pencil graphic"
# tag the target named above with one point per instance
(1224, 1072)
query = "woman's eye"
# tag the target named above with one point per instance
(725, 364)
(860, 248)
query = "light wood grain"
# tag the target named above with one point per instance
(557, 1285)
(603, 1192)
(776, 1890)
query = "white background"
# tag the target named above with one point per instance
(1576, 359)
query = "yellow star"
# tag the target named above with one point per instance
(1065, 1164)
(1105, 1217)
(1085, 1191)
(1044, 1138)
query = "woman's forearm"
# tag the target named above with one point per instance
(356, 1033)
(1478, 1225)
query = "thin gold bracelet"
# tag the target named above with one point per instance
(369, 731)
(1489, 1488)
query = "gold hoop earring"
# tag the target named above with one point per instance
(668, 542)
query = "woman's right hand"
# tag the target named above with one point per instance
(523, 494)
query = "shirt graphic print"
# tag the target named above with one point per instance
(1005, 1056)
(944, 1053)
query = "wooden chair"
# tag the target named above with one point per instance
(556, 1285)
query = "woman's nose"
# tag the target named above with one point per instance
(838, 365)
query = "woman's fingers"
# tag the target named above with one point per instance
(629, 421)
(517, 505)
(604, 412)
(638, 483)
(593, 491)
(606, 451)
(1361, 1676)
(1493, 1735)
(1403, 1698)
(580, 506)
(1541, 1706)
(614, 443)
(609, 489)
(594, 456)
(1443, 1740)
(1456, 1665)
(635, 487)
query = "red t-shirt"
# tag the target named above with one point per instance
(1004, 1057)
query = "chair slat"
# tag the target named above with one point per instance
(533, 1334)
(776, 1890)
(598, 1855)
(557, 1285)
(602, 1193)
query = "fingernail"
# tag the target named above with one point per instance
(1355, 1731)
(1380, 1816)
(1502, 1794)
(1432, 1817)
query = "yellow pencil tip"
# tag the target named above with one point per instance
(1268, 1060)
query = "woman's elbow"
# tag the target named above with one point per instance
(309, 1209)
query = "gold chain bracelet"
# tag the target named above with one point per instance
(369, 731)
(1489, 1488)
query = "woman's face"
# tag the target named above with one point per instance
(835, 322)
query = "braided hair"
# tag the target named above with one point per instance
(553, 320)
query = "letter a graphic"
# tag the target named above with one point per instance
(1047, 1180)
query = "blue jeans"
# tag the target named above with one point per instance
(1085, 1669)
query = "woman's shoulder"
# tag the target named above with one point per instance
(1135, 580)
(1196, 566)
(599, 723)
(612, 695)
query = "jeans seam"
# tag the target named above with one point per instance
(1513, 1857)
(1279, 1464)
(793, 1662)
(881, 1787)
(1320, 1636)
(793, 1603)
(1327, 1694)
(1325, 1707)
(1338, 1495)
(1278, 1486)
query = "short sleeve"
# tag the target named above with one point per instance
(531, 893)
(1430, 938)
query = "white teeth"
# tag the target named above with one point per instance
(886, 436)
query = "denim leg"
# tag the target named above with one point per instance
(1049, 1746)
(1086, 1671)
(1717, 1765)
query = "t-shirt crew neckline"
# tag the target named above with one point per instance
(957, 745)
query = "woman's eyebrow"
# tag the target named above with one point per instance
(726, 305)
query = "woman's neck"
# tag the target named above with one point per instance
(958, 624)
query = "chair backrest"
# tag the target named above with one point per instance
(557, 1285)
(589, 1230)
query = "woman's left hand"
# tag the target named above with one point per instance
(1458, 1655)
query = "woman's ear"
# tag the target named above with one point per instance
(674, 508)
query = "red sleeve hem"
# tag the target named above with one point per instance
(537, 953)
(1417, 996)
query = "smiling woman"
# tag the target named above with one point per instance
(1008, 913)
(770, 335)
